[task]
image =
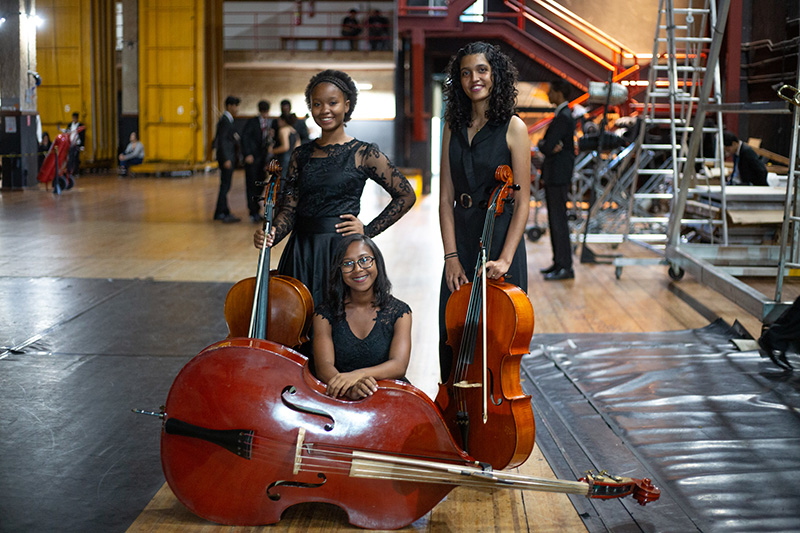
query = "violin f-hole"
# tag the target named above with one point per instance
(495, 401)
(275, 496)
(291, 390)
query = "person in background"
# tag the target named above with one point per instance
(482, 131)
(351, 28)
(747, 167)
(133, 154)
(257, 140)
(362, 333)
(558, 147)
(289, 140)
(77, 139)
(44, 147)
(378, 30)
(225, 141)
(298, 123)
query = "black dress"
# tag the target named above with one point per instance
(472, 169)
(325, 182)
(352, 353)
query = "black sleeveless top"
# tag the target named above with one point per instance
(352, 353)
(472, 169)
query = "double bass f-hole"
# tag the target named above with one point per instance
(275, 496)
(290, 390)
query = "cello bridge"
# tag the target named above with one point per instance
(467, 385)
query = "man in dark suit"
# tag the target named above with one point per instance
(558, 147)
(747, 167)
(225, 141)
(77, 140)
(256, 144)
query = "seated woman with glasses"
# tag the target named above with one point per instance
(362, 333)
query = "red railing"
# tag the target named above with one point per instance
(268, 30)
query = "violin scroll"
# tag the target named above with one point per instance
(273, 167)
(505, 177)
(605, 486)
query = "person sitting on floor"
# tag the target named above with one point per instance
(133, 154)
(747, 167)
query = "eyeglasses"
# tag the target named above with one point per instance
(364, 262)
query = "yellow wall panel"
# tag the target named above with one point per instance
(75, 57)
(171, 79)
(170, 105)
(170, 66)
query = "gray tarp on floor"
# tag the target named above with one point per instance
(718, 430)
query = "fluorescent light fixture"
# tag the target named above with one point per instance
(364, 86)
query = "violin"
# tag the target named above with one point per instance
(269, 305)
(248, 431)
(482, 401)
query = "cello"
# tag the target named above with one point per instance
(276, 307)
(484, 379)
(248, 431)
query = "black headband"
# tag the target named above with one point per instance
(333, 80)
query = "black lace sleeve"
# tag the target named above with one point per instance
(378, 167)
(393, 310)
(323, 311)
(288, 196)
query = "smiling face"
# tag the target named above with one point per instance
(476, 77)
(328, 106)
(360, 257)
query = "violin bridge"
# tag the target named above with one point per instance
(301, 435)
(467, 385)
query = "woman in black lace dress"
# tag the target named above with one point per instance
(320, 199)
(362, 333)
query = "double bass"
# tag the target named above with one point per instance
(269, 305)
(248, 431)
(489, 328)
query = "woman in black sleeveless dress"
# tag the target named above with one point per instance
(320, 199)
(362, 333)
(481, 133)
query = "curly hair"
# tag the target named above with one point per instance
(337, 292)
(338, 79)
(502, 99)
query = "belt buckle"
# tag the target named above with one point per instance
(465, 200)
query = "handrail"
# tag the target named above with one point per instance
(558, 32)
(574, 20)
(273, 29)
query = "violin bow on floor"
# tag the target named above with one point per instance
(385, 466)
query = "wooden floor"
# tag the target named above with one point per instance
(161, 228)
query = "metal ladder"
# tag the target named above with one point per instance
(684, 35)
(790, 247)
(717, 266)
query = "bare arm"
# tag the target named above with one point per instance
(283, 135)
(454, 273)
